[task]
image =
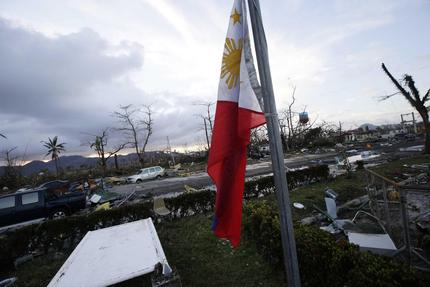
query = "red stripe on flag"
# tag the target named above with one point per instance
(227, 164)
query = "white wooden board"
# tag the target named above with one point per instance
(112, 255)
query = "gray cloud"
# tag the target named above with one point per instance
(39, 74)
(69, 85)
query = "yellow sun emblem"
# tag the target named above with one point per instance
(231, 61)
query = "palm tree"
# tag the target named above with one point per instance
(54, 149)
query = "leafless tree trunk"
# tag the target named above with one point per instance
(133, 124)
(10, 160)
(291, 130)
(100, 143)
(414, 98)
(10, 178)
(209, 115)
(207, 120)
(286, 123)
(206, 132)
(148, 125)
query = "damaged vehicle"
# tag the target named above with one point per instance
(49, 202)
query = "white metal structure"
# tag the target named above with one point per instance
(376, 243)
(112, 255)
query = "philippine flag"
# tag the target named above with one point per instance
(238, 110)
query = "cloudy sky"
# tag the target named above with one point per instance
(66, 66)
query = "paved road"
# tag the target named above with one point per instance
(199, 180)
(172, 185)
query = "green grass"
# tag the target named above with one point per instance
(39, 271)
(346, 188)
(203, 260)
(199, 257)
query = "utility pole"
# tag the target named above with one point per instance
(287, 230)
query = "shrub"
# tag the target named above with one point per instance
(296, 178)
(191, 203)
(322, 261)
(259, 187)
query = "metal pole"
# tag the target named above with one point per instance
(415, 123)
(287, 231)
(405, 221)
(386, 208)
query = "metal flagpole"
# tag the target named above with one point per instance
(287, 232)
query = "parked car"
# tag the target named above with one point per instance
(147, 173)
(39, 203)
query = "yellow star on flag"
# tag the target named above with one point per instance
(235, 16)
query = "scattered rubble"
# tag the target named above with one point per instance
(364, 230)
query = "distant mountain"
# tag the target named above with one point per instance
(368, 126)
(36, 166)
(77, 161)
(65, 162)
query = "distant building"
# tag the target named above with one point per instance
(369, 132)
(361, 135)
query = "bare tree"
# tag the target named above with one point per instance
(206, 132)
(10, 177)
(207, 118)
(10, 159)
(137, 124)
(286, 123)
(414, 98)
(258, 138)
(100, 145)
(289, 117)
(291, 129)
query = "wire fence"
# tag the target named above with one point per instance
(402, 208)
